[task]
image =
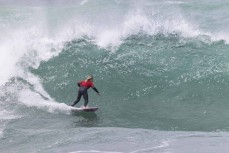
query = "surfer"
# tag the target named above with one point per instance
(83, 87)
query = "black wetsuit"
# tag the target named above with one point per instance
(83, 92)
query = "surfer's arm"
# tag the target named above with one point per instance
(78, 84)
(94, 88)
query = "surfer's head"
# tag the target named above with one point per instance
(90, 77)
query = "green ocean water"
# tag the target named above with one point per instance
(162, 68)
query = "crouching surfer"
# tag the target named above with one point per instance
(83, 87)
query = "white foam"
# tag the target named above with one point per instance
(8, 57)
(137, 21)
(33, 99)
(109, 38)
(219, 36)
(25, 41)
(174, 2)
(6, 115)
(83, 2)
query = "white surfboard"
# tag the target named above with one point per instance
(84, 109)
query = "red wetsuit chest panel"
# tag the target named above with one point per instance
(87, 84)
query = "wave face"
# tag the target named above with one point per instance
(158, 65)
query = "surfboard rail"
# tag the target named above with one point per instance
(84, 109)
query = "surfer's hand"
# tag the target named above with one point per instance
(98, 94)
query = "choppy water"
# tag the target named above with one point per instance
(162, 68)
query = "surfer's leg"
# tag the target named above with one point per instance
(85, 96)
(78, 99)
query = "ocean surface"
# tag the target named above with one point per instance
(162, 68)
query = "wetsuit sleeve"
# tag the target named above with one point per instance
(79, 83)
(94, 88)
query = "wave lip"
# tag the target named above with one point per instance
(39, 35)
